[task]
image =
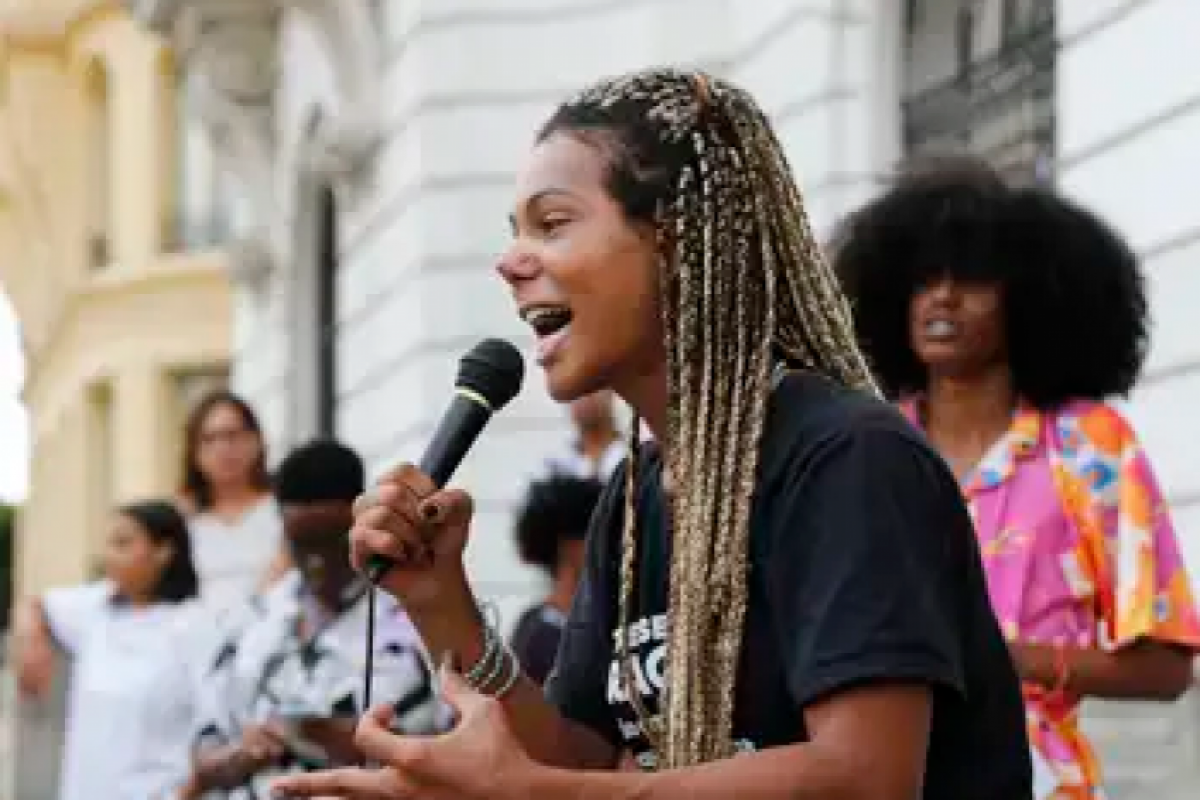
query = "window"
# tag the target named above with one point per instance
(206, 195)
(964, 43)
(913, 14)
(1010, 20)
(167, 142)
(101, 452)
(997, 102)
(191, 385)
(98, 140)
(326, 312)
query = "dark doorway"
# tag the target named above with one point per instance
(326, 308)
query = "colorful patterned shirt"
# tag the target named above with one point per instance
(1079, 550)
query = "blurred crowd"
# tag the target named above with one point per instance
(226, 643)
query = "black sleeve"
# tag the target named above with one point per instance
(577, 684)
(535, 642)
(858, 579)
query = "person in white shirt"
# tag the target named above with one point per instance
(237, 532)
(598, 449)
(129, 718)
(284, 692)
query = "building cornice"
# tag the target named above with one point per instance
(131, 301)
(231, 48)
(228, 50)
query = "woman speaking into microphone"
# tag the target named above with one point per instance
(783, 596)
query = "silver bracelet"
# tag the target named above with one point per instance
(498, 662)
(491, 644)
(514, 675)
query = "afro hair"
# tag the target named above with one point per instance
(556, 509)
(1074, 298)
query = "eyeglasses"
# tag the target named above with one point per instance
(232, 436)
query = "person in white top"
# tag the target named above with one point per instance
(129, 717)
(597, 450)
(237, 531)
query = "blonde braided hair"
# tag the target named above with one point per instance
(744, 285)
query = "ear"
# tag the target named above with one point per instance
(163, 553)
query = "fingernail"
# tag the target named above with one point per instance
(431, 512)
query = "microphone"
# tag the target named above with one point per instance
(489, 377)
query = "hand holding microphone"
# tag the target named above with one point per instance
(409, 533)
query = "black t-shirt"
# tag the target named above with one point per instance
(864, 567)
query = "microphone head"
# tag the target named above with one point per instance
(493, 369)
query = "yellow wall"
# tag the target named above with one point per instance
(106, 338)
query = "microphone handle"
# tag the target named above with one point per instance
(458, 429)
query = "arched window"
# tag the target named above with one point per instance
(197, 195)
(98, 139)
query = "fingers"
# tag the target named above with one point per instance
(465, 700)
(411, 755)
(265, 743)
(387, 531)
(410, 476)
(449, 507)
(345, 784)
(387, 523)
(401, 516)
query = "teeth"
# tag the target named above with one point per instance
(940, 327)
(539, 314)
(536, 315)
(546, 319)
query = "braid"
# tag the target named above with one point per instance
(743, 284)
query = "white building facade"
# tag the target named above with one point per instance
(375, 145)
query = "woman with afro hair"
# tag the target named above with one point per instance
(550, 531)
(1002, 320)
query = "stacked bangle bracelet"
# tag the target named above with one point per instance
(497, 671)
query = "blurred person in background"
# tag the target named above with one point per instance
(129, 716)
(1002, 320)
(284, 693)
(550, 533)
(234, 521)
(597, 449)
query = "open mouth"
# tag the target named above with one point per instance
(547, 320)
(551, 323)
(940, 329)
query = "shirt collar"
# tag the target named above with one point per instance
(1019, 442)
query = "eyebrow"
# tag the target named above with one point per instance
(535, 198)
